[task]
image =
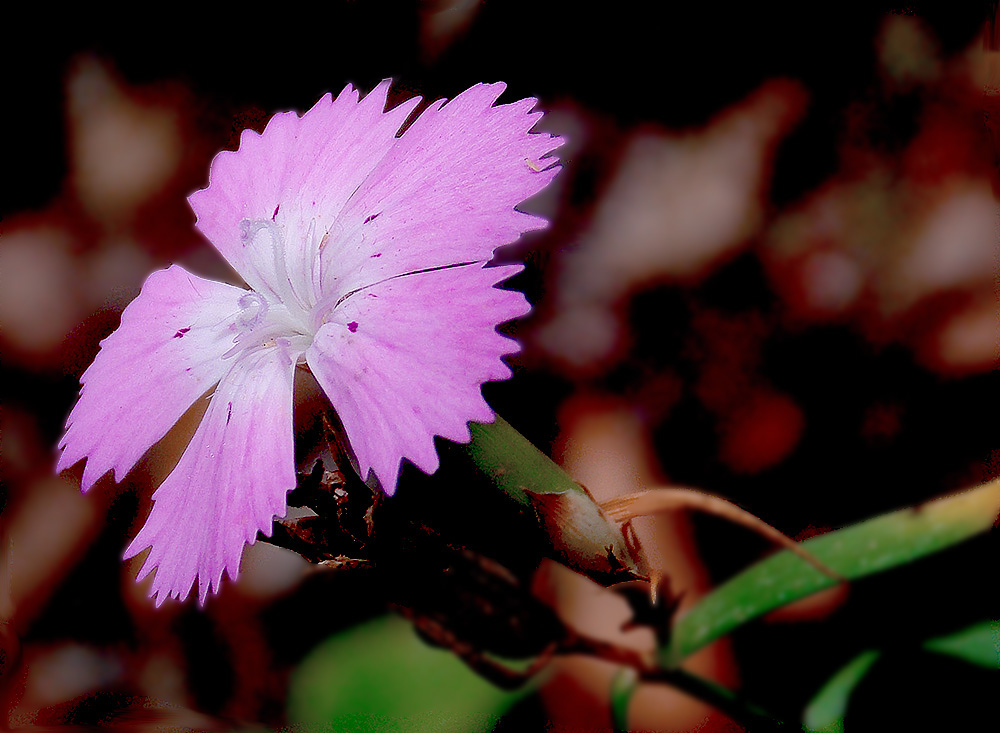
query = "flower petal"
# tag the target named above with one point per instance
(404, 361)
(353, 204)
(166, 353)
(230, 482)
(446, 191)
(299, 173)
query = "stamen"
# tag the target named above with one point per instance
(263, 324)
(252, 316)
(284, 347)
(285, 288)
(253, 310)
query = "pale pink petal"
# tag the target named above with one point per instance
(230, 482)
(446, 192)
(404, 361)
(166, 353)
(299, 173)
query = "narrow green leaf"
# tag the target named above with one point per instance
(825, 713)
(381, 676)
(977, 644)
(855, 552)
(579, 533)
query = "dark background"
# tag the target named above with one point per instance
(887, 421)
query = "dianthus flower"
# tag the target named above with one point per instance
(364, 251)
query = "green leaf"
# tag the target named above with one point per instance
(380, 676)
(857, 551)
(623, 686)
(579, 533)
(977, 644)
(825, 713)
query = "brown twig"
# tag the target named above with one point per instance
(624, 509)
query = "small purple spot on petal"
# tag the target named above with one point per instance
(229, 414)
(377, 254)
(372, 295)
(274, 216)
(352, 326)
(372, 217)
(180, 333)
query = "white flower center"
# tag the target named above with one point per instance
(265, 241)
(284, 310)
(261, 324)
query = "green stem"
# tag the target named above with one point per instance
(635, 668)
(746, 714)
(583, 538)
(579, 533)
(749, 716)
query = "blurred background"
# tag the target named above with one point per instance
(771, 274)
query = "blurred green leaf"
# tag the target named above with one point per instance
(825, 712)
(977, 644)
(856, 551)
(623, 686)
(380, 676)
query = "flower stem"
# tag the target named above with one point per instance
(579, 533)
(583, 538)
(745, 713)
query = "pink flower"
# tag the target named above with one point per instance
(364, 251)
